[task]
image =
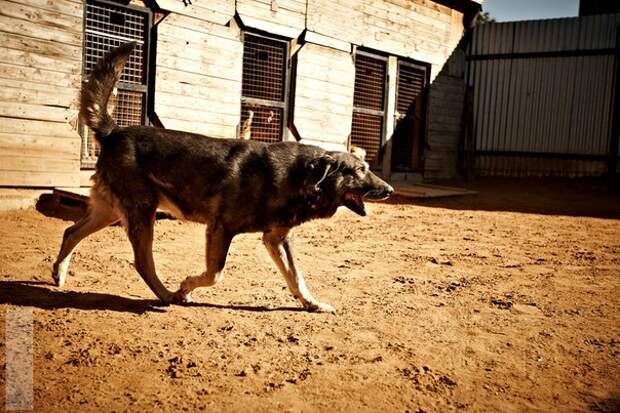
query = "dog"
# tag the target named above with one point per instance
(233, 186)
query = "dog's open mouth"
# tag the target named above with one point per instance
(355, 203)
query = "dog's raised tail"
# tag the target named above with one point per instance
(96, 93)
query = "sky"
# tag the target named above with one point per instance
(510, 10)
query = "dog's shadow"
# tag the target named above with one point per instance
(42, 295)
(241, 307)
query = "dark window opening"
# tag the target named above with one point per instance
(410, 117)
(108, 26)
(369, 105)
(117, 18)
(263, 90)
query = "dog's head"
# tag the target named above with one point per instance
(347, 180)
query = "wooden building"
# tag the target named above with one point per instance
(370, 73)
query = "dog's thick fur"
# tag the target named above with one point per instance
(233, 186)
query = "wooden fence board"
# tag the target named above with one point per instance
(324, 94)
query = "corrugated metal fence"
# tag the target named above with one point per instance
(543, 96)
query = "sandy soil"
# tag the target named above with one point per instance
(505, 301)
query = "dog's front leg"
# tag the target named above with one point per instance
(280, 247)
(218, 243)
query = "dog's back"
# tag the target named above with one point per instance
(248, 185)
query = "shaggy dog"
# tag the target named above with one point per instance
(233, 186)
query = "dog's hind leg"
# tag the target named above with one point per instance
(98, 216)
(280, 247)
(140, 225)
(218, 243)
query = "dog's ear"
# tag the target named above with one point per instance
(359, 153)
(318, 169)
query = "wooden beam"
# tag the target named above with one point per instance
(40, 178)
(32, 127)
(392, 69)
(317, 38)
(39, 112)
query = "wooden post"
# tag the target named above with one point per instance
(392, 70)
(612, 164)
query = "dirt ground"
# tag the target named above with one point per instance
(504, 301)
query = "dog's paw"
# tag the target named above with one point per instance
(321, 308)
(181, 297)
(59, 278)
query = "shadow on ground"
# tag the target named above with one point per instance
(596, 198)
(41, 295)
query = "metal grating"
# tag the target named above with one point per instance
(129, 108)
(97, 46)
(366, 133)
(410, 85)
(266, 123)
(370, 77)
(410, 117)
(263, 87)
(108, 26)
(115, 21)
(264, 68)
(369, 105)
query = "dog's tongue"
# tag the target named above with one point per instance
(355, 203)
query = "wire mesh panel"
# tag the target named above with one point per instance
(97, 46)
(263, 87)
(369, 82)
(115, 21)
(410, 85)
(369, 105)
(366, 133)
(410, 117)
(264, 65)
(128, 108)
(109, 26)
(266, 122)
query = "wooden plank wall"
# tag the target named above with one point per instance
(445, 119)
(419, 29)
(324, 94)
(215, 11)
(282, 17)
(326, 17)
(40, 73)
(199, 67)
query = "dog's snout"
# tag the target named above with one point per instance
(386, 191)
